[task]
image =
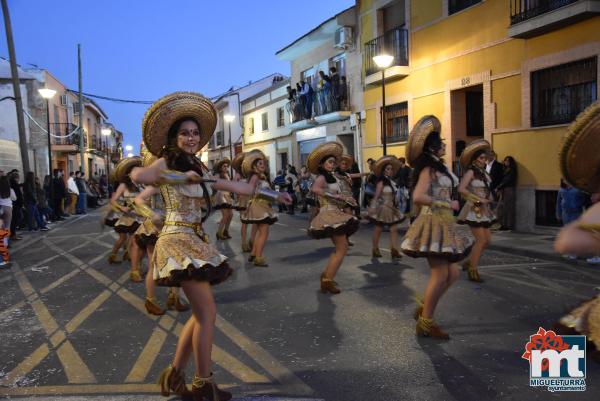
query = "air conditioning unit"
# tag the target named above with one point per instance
(343, 37)
(64, 100)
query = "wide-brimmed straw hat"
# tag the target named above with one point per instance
(167, 110)
(579, 157)
(147, 157)
(219, 164)
(236, 163)
(466, 157)
(249, 159)
(125, 166)
(323, 150)
(384, 161)
(348, 159)
(418, 135)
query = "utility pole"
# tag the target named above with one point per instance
(81, 132)
(17, 90)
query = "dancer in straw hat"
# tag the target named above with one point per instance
(149, 204)
(477, 212)
(259, 211)
(175, 128)
(241, 204)
(383, 211)
(223, 200)
(330, 221)
(128, 221)
(342, 173)
(579, 160)
(433, 234)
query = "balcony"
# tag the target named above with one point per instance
(326, 105)
(68, 143)
(530, 18)
(393, 42)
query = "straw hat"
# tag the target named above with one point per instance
(384, 161)
(147, 157)
(249, 159)
(322, 151)
(348, 159)
(466, 157)
(219, 164)
(125, 166)
(237, 162)
(165, 111)
(579, 157)
(418, 135)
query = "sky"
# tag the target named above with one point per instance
(145, 49)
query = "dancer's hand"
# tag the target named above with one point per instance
(455, 205)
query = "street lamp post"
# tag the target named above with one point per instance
(383, 61)
(129, 148)
(106, 131)
(48, 94)
(229, 119)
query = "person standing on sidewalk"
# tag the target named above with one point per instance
(81, 207)
(7, 195)
(73, 192)
(434, 234)
(30, 197)
(570, 203)
(17, 205)
(477, 213)
(579, 161)
(59, 192)
(175, 128)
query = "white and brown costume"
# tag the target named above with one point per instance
(384, 211)
(259, 210)
(476, 214)
(434, 231)
(147, 232)
(331, 219)
(182, 251)
(129, 222)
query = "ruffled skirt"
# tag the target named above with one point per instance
(185, 256)
(384, 214)
(127, 224)
(111, 218)
(330, 222)
(476, 216)
(241, 202)
(223, 200)
(259, 212)
(436, 234)
(146, 234)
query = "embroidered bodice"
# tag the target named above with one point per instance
(182, 204)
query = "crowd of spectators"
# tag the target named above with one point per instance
(330, 94)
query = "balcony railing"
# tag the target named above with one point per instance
(522, 10)
(394, 42)
(64, 129)
(330, 98)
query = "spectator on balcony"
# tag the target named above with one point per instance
(59, 193)
(335, 88)
(73, 192)
(308, 94)
(31, 201)
(343, 95)
(81, 205)
(300, 99)
(324, 91)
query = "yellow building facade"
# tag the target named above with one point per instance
(513, 73)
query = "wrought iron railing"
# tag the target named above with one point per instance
(330, 98)
(394, 42)
(522, 10)
(63, 130)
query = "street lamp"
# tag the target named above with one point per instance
(48, 94)
(106, 131)
(229, 119)
(383, 61)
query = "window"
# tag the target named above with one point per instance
(474, 111)
(455, 6)
(265, 121)
(396, 129)
(561, 92)
(307, 75)
(251, 125)
(339, 62)
(280, 117)
(545, 208)
(220, 138)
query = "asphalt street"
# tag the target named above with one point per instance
(73, 327)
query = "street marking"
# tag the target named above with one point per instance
(26, 366)
(58, 282)
(136, 302)
(75, 369)
(513, 265)
(147, 357)
(236, 367)
(87, 311)
(540, 287)
(282, 374)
